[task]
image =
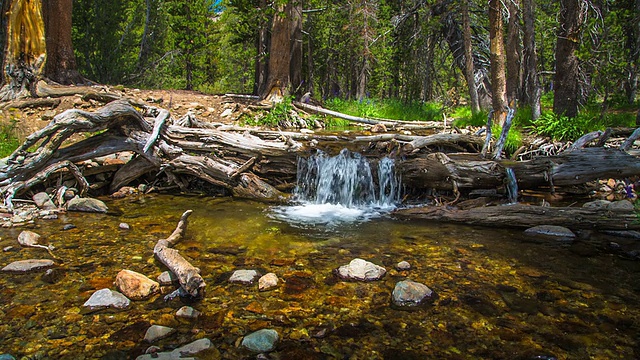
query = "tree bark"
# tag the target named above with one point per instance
(61, 61)
(566, 87)
(262, 57)
(514, 53)
(295, 64)
(531, 91)
(468, 58)
(497, 54)
(278, 80)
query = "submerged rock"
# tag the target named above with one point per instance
(361, 270)
(409, 293)
(403, 265)
(28, 238)
(105, 298)
(28, 265)
(87, 205)
(550, 230)
(246, 277)
(167, 278)
(187, 312)
(267, 282)
(157, 332)
(261, 341)
(135, 285)
(192, 348)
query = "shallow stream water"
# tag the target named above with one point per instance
(502, 295)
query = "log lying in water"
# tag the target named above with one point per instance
(188, 275)
(469, 171)
(525, 216)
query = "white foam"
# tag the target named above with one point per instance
(310, 214)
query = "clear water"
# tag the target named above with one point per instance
(501, 295)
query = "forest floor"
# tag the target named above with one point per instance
(208, 108)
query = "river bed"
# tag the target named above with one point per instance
(501, 294)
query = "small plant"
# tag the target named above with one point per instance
(8, 139)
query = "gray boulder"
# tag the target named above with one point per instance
(87, 205)
(157, 332)
(361, 270)
(43, 201)
(28, 265)
(107, 298)
(246, 277)
(550, 230)
(409, 293)
(261, 341)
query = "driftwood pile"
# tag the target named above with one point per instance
(261, 164)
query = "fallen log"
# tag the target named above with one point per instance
(31, 103)
(525, 216)
(188, 275)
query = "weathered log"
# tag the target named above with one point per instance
(468, 171)
(31, 103)
(524, 216)
(188, 275)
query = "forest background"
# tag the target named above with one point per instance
(569, 67)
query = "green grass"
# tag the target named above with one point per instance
(589, 119)
(387, 109)
(8, 139)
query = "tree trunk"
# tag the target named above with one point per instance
(278, 80)
(468, 58)
(4, 23)
(25, 49)
(514, 53)
(633, 49)
(295, 64)
(531, 84)
(566, 86)
(61, 61)
(262, 58)
(497, 54)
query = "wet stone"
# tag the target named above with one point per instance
(192, 348)
(597, 204)
(550, 230)
(167, 278)
(105, 298)
(43, 201)
(157, 332)
(28, 238)
(6, 357)
(261, 341)
(403, 265)
(361, 270)
(246, 277)
(124, 226)
(267, 282)
(87, 205)
(28, 265)
(187, 312)
(52, 276)
(621, 205)
(409, 293)
(68, 227)
(135, 285)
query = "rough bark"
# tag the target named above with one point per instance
(513, 53)
(531, 91)
(61, 61)
(188, 275)
(261, 63)
(524, 216)
(566, 87)
(498, 60)
(295, 64)
(468, 58)
(278, 80)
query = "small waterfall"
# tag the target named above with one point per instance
(346, 179)
(340, 189)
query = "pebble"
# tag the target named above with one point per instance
(167, 278)
(124, 226)
(403, 265)
(68, 227)
(52, 276)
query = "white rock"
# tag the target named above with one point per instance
(246, 277)
(28, 265)
(157, 332)
(359, 269)
(187, 312)
(268, 281)
(403, 265)
(105, 298)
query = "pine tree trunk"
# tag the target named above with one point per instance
(566, 94)
(278, 80)
(61, 61)
(514, 53)
(468, 58)
(498, 76)
(262, 60)
(530, 85)
(296, 47)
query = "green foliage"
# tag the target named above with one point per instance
(463, 117)
(514, 138)
(387, 109)
(280, 113)
(8, 138)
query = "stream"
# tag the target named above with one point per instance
(501, 294)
